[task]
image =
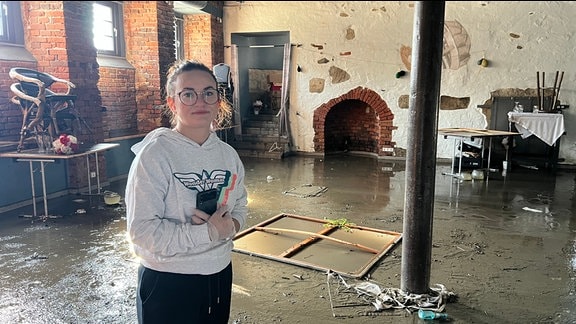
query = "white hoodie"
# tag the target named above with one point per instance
(168, 171)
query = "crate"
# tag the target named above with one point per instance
(467, 163)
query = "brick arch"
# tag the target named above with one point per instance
(384, 117)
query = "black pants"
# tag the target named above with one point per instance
(165, 297)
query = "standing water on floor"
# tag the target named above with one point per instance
(504, 244)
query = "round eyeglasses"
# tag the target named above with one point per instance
(189, 97)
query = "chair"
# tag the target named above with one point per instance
(47, 107)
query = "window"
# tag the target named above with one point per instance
(179, 33)
(11, 30)
(107, 28)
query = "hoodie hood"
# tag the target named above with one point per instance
(172, 136)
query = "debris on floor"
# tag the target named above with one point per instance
(391, 298)
(306, 190)
(531, 209)
(36, 256)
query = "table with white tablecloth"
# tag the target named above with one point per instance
(548, 127)
(545, 126)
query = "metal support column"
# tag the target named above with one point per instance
(427, 45)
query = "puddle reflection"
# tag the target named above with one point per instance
(524, 202)
(350, 182)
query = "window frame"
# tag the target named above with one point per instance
(118, 29)
(12, 30)
(179, 36)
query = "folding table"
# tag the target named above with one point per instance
(459, 134)
(33, 156)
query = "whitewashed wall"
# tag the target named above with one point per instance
(546, 36)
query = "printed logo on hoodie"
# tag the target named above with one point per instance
(220, 179)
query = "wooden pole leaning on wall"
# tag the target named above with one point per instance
(554, 92)
(543, 93)
(557, 91)
(538, 90)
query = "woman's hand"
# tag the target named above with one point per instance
(220, 224)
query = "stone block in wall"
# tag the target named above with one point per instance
(446, 102)
(316, 85)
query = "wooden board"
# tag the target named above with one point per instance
(313, 243)
(474, 132)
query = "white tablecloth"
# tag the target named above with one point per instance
(547, 127)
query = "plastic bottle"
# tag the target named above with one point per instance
(431, 315)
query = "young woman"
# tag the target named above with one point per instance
(185, 273)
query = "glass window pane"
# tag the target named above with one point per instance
(3, 20)
(103, 27)
(179, 41)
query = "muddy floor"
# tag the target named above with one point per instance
(504, 246)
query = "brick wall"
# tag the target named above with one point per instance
(205, 41)
(10, 114)
(78, 57)
(80, 61)
(144, 31)
(58, 34)
(117, 88)
(352, 127)
(217, 36)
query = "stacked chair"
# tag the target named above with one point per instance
(47, 107)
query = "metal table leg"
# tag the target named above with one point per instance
(44, 188)
(89, 179)
(33, 185)
(454, 145)
(33, 189)
(97, 171)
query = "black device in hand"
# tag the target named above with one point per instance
(207, 201)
